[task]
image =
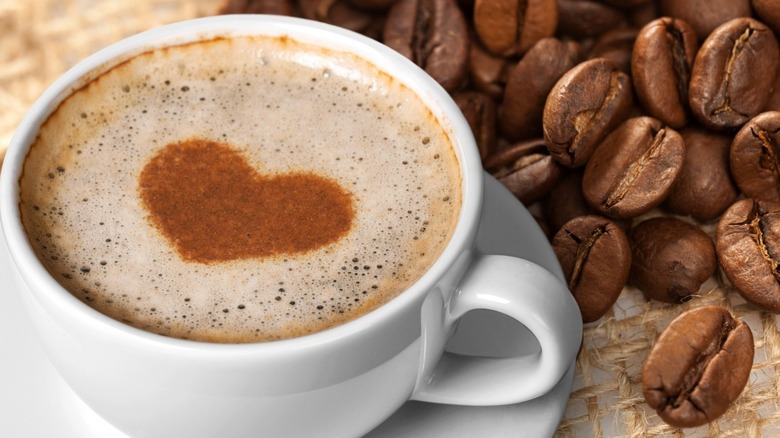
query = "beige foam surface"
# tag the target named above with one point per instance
(287, 108)
(39, 39)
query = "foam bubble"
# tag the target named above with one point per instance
(287, 108)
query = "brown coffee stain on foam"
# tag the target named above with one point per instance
(213, 207)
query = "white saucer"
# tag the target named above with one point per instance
(36, 403)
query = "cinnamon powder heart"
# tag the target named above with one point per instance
(212, 206)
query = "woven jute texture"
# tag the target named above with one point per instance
(40, 39)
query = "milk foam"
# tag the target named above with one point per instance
(288, 108)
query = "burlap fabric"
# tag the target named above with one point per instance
(40, 39)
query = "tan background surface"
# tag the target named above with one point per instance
(40, 39)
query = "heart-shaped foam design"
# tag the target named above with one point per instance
(212, 206)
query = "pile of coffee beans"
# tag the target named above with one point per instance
(595, 113)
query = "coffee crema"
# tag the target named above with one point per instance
(240, 190)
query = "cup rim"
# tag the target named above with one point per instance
(45, 287)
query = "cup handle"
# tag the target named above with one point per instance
(531, 295)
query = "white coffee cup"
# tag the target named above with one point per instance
(339, 382)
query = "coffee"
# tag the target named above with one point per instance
(526, 169)
(746, 238)
(511, 27)
(733, 74)
(661, 69)
(433, 34)
(582, 19)
(277, 7)
(768, 11)
(480, 113)
(586, 103)
(596, 258)
(698, 366)
(753, 157)
(343, 14)
(705, 15)
(566, 201)
(523, 101)
(670, 259)
(616, 45)
(634, 168)
(239, 190)
(705, 188)
(487, 72)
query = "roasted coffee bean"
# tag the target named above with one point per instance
(634, 168)
(616, 45)
(487, 72)
(566, 201)
(433, 34)
(704, 189)
(773, 102)
(640, 16)
(755, 157)
(511, 27)
(480, 112)
(542, 222)
(583, 107)
(529, 83)
(468, 8)
(275, 7)
(343, 14)
(698, 366)
(627, 4)
(748, 247)
(595, 256)
(376, 29)
(587, 18)
(526, 169)
(733, 74)
(661, 69)
(705, 15)
(768, 11)
(670, 259)
(372, 5)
